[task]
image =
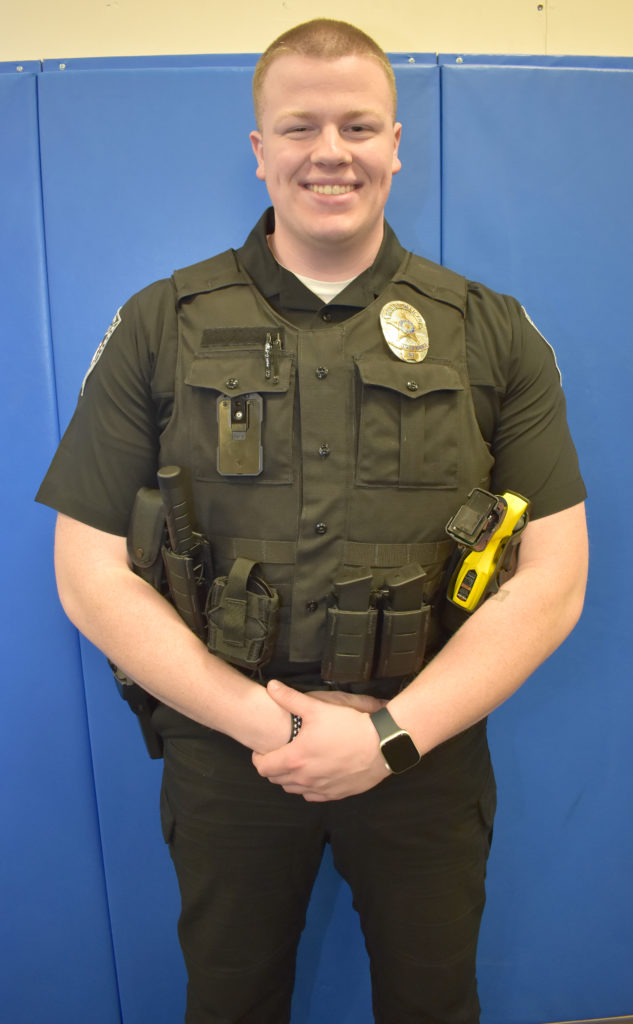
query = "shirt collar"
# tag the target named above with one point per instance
(285, 291)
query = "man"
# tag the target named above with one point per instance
(366, 453)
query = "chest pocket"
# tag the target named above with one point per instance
(231, 373)
(408, 423)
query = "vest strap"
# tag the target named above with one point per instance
(275, 552)
(380, 556)
(385, 556)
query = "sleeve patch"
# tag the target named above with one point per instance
(100, 349)
(532, 324)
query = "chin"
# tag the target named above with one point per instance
(337, 233)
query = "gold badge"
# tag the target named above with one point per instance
(405, 331)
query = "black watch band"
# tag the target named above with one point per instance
(396, 746)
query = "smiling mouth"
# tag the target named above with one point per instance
(331, 190)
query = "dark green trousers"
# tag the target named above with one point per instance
(413, 851)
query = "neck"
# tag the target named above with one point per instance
(326, 262)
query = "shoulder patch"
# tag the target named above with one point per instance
(532, 324)
(102, 344)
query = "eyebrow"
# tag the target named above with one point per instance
(350, 115)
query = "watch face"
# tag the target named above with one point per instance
(400, 752)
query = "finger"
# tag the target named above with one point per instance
(273, 766)
(357, 701)
(310, 795)
(290, 700)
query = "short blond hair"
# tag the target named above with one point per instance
(325, 39)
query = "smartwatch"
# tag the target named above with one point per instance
(396, 746)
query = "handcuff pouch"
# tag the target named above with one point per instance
(243, 616)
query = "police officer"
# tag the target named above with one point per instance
(359, 453)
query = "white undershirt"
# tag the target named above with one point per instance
(326, 290)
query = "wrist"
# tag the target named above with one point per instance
(398, 750)
(271, 726)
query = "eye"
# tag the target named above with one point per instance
(359, 129)
(298, 129)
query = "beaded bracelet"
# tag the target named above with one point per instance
(297, 722)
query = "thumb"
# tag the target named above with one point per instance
(290, 700)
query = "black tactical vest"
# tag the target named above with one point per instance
(364, 457)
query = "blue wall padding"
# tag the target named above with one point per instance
(140, 169)
(536, 60)
(143, 171)
(56, 962)
(187, 60)
(516, 176)
(544, 211)
(11, 66)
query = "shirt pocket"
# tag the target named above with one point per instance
(408, 423)
(230, 374)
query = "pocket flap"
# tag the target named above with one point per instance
(412, 380)
(234, 372)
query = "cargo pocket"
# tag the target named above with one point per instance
(167, 819)
(487, 809)
(231, 373)
(408, 424)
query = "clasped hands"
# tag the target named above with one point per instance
(336, 753)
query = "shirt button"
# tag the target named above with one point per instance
(412, 386)
(324, 450)
(311, 606)
(326, 316)
(232, 383)
(320, 528)
(321, 372)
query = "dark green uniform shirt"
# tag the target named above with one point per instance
(111, 446)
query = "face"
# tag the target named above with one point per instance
(327, 149)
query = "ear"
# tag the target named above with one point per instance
(397, 135)
(258, 149)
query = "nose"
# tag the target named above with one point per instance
(330, 148)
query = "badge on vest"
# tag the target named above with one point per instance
(405, 331)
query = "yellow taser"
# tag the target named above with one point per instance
(488, 529)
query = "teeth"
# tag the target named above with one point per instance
(331, 190)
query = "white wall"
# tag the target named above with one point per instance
(38, 29)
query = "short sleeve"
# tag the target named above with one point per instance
(110, 447)
(518, 394)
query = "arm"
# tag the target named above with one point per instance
(145, 636)
(489, 657)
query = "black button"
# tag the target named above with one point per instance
(321, 372)
(324, 450)
(326, 316)
(311, 606)
(320, 528)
